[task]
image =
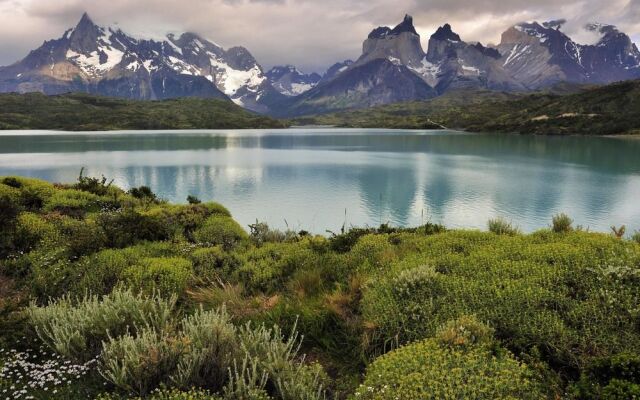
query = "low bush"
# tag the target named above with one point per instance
(541, 296)
(214, 262)
(165, 394)
(167, 276)
(139, 364)
(561, 223)
(72, 202)
(246, 381)
(219, 230)
(260, 233)
(501, 226)
(32, 230)
(127, 227)
(344, 241)
(79, 237)
(76, 329)
(268, 267)
(9, 210)
(464, 332)
(98, 186)
(211, 346)
(276, 358)
(33, 192)
(183, 220)
(427, 370)
(610, 378)
(373, 253)
(191, 199)
(636, 237)
(143, 193)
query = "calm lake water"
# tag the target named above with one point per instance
(318, 179)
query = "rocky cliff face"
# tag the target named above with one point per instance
(374, 83)
(335, 70)
(400, 45)
(456, 64)
(382, 74)
(106, 61)
(539, 55)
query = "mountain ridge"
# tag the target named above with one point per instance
(393, 66)
(106, 61)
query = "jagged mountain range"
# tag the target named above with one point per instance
(106, 61)
(393, 67)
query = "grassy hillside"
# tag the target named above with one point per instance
(606, 110)
(112, 295)
(81, 112)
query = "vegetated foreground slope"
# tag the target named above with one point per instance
(82, 112)
(607, 110)
(123, 295)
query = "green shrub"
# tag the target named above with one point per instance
(76, 331)
(427, 370)
(619, 389)
(373, 253)
(260, 233)
(216, 209)
(139, 363)
(183, 220)
(11, 181)
(616, 377)
(246, 382)
(32, 230)
(33, 192)
(276, 358)
(267, 268)
(565, 297)
(211, 346)
(500, 226)
(464, 332)
(101, 272)
(636, 237)
(72, 202)
(9, 210)
(212, 262)
(167, 276)
(80, 237)
(401, 308)
(127, 227)
(52, 273)
(561, 223)
(191, 199)
(165, 394)
(143, 193)
(219, 230)
(97, 186)
(343, 242)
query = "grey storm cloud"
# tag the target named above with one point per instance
(311, 34)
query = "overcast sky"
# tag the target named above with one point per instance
(311, 34)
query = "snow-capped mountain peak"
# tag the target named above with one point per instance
(289, 81)
(107, 61)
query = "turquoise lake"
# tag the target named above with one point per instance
(319, 179)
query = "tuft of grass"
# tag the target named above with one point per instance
(561, 223)
(501, 226)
